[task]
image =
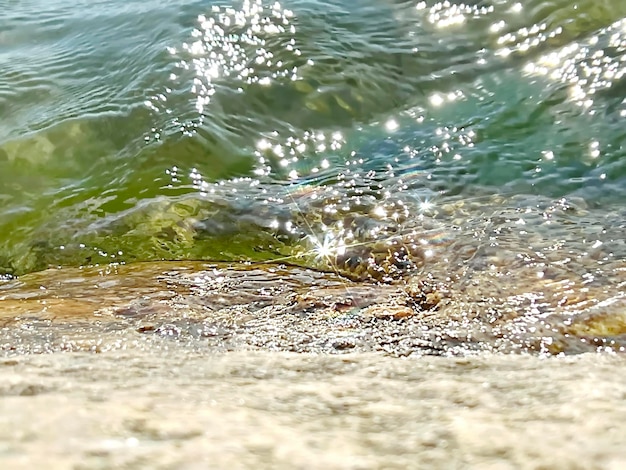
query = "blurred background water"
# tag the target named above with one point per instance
(375, 135)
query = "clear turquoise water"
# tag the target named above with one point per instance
(253, 130)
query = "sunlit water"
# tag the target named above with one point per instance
(479, 142)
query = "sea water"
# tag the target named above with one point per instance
(323, 133)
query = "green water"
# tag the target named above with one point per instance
(378, 132)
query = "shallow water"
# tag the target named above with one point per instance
(220, 307)
(479, 145)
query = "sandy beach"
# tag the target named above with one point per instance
(173, 408)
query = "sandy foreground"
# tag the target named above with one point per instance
(196, 367)
(175, 408)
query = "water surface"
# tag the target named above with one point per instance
(477, 143)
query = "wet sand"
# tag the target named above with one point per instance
(197, 365)
(172, 408)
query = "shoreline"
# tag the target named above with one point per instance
(224, 307)
(196, 365)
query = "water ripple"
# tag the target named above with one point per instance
(389, 135)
